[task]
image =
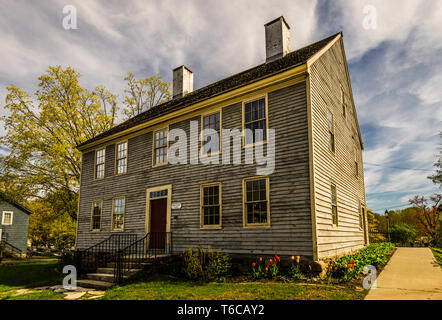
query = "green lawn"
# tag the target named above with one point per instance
(438, 255)
(166, 288)
(26, 275)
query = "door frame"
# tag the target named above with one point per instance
(169, 205)
(364, 223)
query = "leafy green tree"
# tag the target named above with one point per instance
(43, 131)
(143, 94)
(403, 233)
(47, 226)
(437, 177)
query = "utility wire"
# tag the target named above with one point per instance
(391, 167)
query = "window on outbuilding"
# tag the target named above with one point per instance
(7, 218)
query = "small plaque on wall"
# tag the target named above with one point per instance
(176, 205)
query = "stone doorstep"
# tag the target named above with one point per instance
(95, 284)
(74, 295)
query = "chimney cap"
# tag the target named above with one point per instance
(182, 66)
(277, 19)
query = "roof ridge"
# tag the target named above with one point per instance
(279, 65)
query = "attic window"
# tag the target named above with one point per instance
(344, 111)
(331, 131)
(7, 218)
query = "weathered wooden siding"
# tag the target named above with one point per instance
(327, 75)
(17, 233)
(291, 230)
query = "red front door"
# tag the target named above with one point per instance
(158, 221)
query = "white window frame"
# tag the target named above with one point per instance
(3, 218)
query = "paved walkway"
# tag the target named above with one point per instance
(411, 274)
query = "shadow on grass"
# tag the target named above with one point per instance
(29, 275)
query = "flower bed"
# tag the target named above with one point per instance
(348, 267)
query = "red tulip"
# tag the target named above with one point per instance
(253, 264)
(271, 261)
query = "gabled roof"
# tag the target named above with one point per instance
(14, 203)
(265, 70)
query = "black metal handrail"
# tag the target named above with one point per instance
(6, 247)
(100, 254)
(151, 246)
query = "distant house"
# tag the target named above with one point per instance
(14, 222)
(312, 204)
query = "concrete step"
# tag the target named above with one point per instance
(94, 284)
(106, 270)
(140, 265)
(105, 277)
(112, 271)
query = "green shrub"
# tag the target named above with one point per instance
(403, 234)
(205, 265)
(346, 268)
(218, 265)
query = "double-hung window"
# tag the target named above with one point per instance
(211, 205)
(211, 134)
(160, 147)
(331, 131)
(255, 121)
(97, 207)
(118, 209)
(334, 205)
(100, 156)
(256, 202)
(121, 158)
(7, 218)
(355, 158)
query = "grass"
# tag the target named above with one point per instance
(161, 287)
(438, 255)
(26, 275)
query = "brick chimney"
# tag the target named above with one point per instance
(182, 82)
(277, 39)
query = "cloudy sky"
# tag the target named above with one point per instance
(396, 68)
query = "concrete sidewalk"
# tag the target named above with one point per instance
(411, 274)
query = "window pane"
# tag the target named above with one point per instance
(96, 216)
(118, 215)
(211, 205)
(160, 146)
(211, 141)
(256, 201)
(255, 120)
